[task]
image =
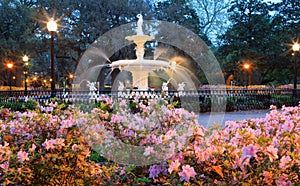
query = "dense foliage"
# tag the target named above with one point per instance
(80, 24)
(261, 34)
(257, 32)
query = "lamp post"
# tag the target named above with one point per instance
(52, 27)
(247, 66)
(296, 51)
(25, 60)
(71, 77)
(10, 66)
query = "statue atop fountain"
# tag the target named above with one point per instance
(140, 25)
(139, 39)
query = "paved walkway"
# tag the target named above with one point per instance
(209, 119)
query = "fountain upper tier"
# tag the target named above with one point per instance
(139, 40)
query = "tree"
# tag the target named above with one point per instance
(212, 15)
(252, 37)
(23, 29)
(178, 12)
(16, 33)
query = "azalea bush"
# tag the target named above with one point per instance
(148, 142)
(44, 147)
(255, 151)
(139, 133)
(249, 152)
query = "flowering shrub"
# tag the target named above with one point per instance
(44, 147)
(256, 151)
(150, 143)
(249, 152)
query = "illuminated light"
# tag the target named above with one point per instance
(10, 65)
(296, 47)
(25, 59)
(246, 66)
(52, 26)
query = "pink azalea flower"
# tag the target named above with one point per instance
(199, 131)
(202, 155)
(74, 147)
(123, 171)
(48, 144)
(284, 161)
(283, 180)
(187, 172)
(4, 166)
(67, 123)
(114, 119)
(174, 166)
(272, 153)
(136, 99)
(108, 100)
(155, 170)
(60, 142)
(148, 151)
(22, 156)
(249, 151)
(288, 126)
(53, 104)
(170, 134)
(172, 147)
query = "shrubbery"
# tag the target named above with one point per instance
(59, 145)
(19, 106)
(45, 147)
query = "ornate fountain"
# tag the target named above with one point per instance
(140, 67)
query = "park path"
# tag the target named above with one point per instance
(208, 119)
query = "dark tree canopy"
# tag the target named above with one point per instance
(259, 32)
(81, 22)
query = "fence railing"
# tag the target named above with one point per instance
(235, 99)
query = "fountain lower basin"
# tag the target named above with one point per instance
(140, 64)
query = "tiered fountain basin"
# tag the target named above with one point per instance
(139, 40)
(140, 69)
(140, 64)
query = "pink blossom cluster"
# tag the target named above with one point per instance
(256, 151)
(156, 123)
(43, 145)
(263, 151)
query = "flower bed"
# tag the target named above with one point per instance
(55, 145)
(44, 147)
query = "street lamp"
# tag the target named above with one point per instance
(52, 27)
(295, 50)
(71, 77)
(247, 66)
(25, 60)
(10, 66)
